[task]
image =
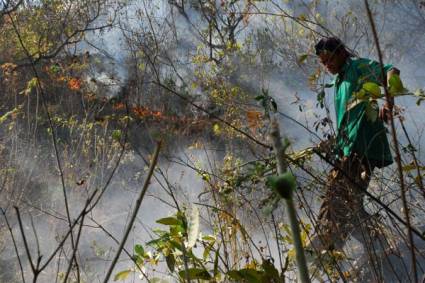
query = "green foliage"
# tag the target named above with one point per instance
(368, 90)
(122, 275)
(267, 273)
(395, 86)
(172, 221)
(283, 184)
(116, 135)
(321, 98)
(195, 273)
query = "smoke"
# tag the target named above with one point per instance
(110, 71)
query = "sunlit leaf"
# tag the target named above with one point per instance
(122, 275)
(169, 221)
(373, 89)
(395, 84)
(302, 154)
(216, 129)
(139, 250)
(361, 94)
(9, 114)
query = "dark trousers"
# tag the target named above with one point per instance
(342, 212)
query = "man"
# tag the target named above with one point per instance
(360, 146)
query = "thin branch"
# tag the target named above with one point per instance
(135, 211)
(24, 238)
(396, 147)
(74, 251)
(124, 249)
(292, 215)
(14, 244)
(50, 122)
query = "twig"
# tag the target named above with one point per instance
(85, 210)
(277, 243)
(396, 147)
(135, 211)
(415, 160)
(74, 251)
(293, 221)
(124, 249)
(24, 238)
(14, 244)
(50, 122)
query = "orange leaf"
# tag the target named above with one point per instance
(74, 84)
(253, 118)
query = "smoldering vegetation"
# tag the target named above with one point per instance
(90, 87)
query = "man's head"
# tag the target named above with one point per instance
(332, 53)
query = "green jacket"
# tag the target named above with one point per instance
(355, 132)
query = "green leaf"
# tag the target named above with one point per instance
(408, 167)
(171, 262)
(207, 251)
(195, 273)
(208, 238)
(395, 84)
(169, 221)
(122, 275)
(116, 135)
(302, 58)
(193, 227)
(176, 245)
(8, 114)
(373, 89)
(248, 274)
(271, 273)
(32, 84)
(259, 97)
(283, 184)
(361, 94)
(139, 250)
(321, 98)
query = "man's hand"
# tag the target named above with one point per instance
(326, 146)
(385, 112)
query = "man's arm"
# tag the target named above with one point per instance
(384, 113)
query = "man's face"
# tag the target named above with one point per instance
(333, 61)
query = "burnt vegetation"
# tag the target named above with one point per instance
(140, 140)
